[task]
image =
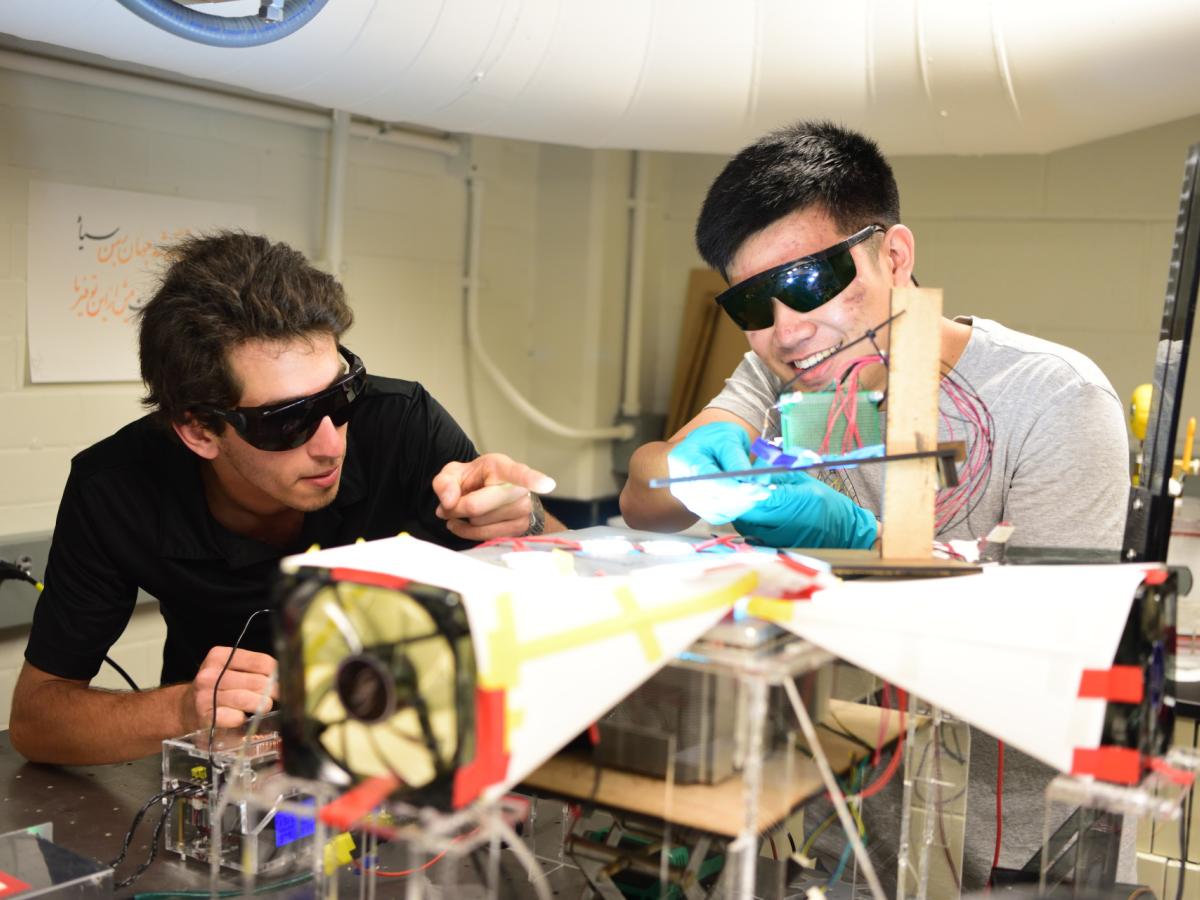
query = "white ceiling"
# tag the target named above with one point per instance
(922, 76)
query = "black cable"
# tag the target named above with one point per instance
(137, 819)
(172, 796)
(586, 877)
(212, 730)
(20, 571)
(129, 681)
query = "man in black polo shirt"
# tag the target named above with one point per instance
(266, 437)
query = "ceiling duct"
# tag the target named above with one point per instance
(275, 20)
(922, 76)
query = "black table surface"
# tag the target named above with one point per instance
(91, 808)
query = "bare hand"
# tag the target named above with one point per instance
(488, 497)
(240, 692)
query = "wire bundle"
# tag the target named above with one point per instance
(170, 795)
(845, 406)
(977, 427)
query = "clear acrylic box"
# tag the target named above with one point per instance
(253, 838)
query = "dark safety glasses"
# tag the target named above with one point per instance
(288, 425)
(802, 284)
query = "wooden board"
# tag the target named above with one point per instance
(718, 808)
(853, 563)
(910, 486)
(710, 348)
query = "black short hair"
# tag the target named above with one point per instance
(808, 164)
(219, 291)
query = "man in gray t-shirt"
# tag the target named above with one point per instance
(805, 227)
(1059, 458)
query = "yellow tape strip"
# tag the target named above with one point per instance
(503, 658)
(645, 632)
(770, 609)
(636, 620)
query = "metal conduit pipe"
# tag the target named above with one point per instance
(631, 403)
(281, 19)
(335, 193)
(475, 343)
(94, 76)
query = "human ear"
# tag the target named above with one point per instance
(196, 437)
(900, 252)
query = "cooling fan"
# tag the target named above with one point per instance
(377, 678)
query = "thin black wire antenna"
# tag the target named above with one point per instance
(212, 729)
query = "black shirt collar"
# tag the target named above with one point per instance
(188, 530)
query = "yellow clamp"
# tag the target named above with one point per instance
(338, 852)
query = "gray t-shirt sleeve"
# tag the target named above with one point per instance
(1070, 486)
(749, 393)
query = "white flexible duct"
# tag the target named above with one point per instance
(922, 76)
(194, 96)
(506, 387)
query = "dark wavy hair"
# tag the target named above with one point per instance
(219, 291)
(808, 164)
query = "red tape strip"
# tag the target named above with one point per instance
(358, 801)
(1121, 765)
(377, 579)
(1179, 776)
(1155, 576)
(1120, 684)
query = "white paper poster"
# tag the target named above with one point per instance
(94, 257)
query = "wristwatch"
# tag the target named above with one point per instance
(537, 516)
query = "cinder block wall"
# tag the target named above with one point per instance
(553, 258)
(403, 270)
(1073, 245)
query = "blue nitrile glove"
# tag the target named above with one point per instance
(804, 512)
(715, 447)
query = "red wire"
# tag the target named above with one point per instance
(406, 872)
(421, 868)
(894, 763)
(999, 805)
(774, 852)
(518, 543)
(883, 723)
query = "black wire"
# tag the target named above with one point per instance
(15, 572)
(212, 729)
(845, 734)
(586, 877)
(137, 820)
(868, 335)
(155, 837)
(129, 681)
(133, 826)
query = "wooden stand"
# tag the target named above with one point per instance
(718, 808)
(910, 486)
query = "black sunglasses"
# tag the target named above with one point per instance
(288, 425)
(802, 284)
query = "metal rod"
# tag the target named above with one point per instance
(835, 792)
(945, 453)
